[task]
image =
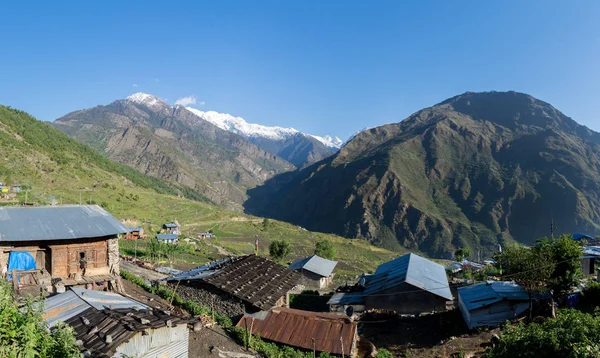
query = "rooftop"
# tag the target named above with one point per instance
(167, 236)
(253, 279)
(487, 293)
(299, 328)
(315, 264)
(63, 306)
(412, 269)
(44, 223)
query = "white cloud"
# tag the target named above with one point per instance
(186, 101)
(202, 103)
(134, 85)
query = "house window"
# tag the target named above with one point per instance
(82, 255)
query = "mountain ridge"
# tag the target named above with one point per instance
(475, 170)
(169, 142)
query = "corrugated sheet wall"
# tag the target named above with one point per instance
(166, 342)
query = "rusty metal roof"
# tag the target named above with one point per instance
(299, 328)
(57, 223)
(253, 279)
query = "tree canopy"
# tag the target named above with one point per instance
(279, 250)
(462, 253)
(325, 249)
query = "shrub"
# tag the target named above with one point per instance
(384, 353)
(571, 334)
(24, 333)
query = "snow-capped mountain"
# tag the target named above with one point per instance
(239, 126)
(151, 101)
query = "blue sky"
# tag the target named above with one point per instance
(324, 67)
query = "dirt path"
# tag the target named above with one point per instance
(214, 342)
(141, 272)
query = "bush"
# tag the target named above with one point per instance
(384, 353)
(279, 250)
(590, 297)
(24, 333)
(571, 334)
(324, 248)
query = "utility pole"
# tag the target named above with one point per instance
(552, 228)
(26, 194)
(80, 198)
(314, 348)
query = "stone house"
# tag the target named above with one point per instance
(317, 272)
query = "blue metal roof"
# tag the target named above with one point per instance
(167, 236)
(315, 264)
(130, 229)
(582, 236)
(487, 293)
(346, 298)
(412, 269)
(57, 223)
(63, 306)
(170, 225)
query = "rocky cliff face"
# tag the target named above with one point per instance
(476, 170)
(172, 143)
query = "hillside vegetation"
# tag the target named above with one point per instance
(477, 170)
(55, 169)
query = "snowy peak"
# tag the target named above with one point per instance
(239, 126)
(251, 130)
(328, 141)
(147, 100)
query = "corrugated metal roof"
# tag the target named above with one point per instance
(487, 293)
(65, 305)
(592, 250)
(412, 269)
(200, 272)
(57, 223)
(299, 328)
(132, 228)
(170, 225)
(167, 236)
(315, 264)
(346, 298)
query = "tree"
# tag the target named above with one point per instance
(325, 249)
(279, 250)
(24, 333)
(530, 267)
(566, 256)
(462, 253)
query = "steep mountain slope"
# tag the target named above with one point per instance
(53, 168)
(298, 148)
(478, 169)
(173, 144)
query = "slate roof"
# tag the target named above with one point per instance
(298, 328)
(253, 279)
(92, 327)
(57, 223)
(489, 292)
(61, 307)
(315, 264)
(413, 270)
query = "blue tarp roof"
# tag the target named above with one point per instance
(167, 236)
(412, 269)
(315, 264)
(57, 223)
(487, 293)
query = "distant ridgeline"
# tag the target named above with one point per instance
(475, 170)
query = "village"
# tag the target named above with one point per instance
(251, 305)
